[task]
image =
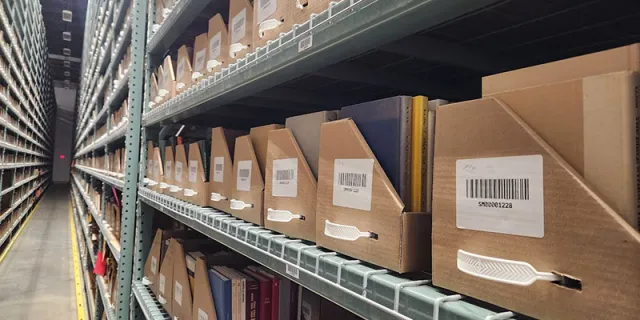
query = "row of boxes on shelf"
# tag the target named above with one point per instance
(541, 172)
(19, 158)
(112, 164)
(110, 212)
(14, 177)
(194, 278)
(10, 120)
(10, 200)
(247, 26)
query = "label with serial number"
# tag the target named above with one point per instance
(200, 57)
(214, 46)
(243, 182)
(284, 179)
(352, 179)
(238, 26)
(502, 195)
(193, 171)
(178, 175)
(218, 169)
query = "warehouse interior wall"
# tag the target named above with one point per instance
(66, 100)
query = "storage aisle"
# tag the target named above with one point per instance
(36, 275)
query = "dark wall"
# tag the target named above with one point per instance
(63, 134)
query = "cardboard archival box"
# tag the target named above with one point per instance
(161, 95)
(159, 18)
(158, 170)
(269, 20)
(152, 264)
(609, 61)
(169, 79)
(168, 172)
(196, 186)
(260, 140)
(248, 192)
(355, 193)
(300, 11)
(199, 64)
(218, 45)
(306, 131)
(182, 302)
(203, 306)
(180, 169)
(290, 188)
(149, 163)
(240, 29)
(153, 93)
(557, 223)
(183, 69)
(165, 278)
(221, 174)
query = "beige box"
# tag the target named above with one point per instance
(218, 45)
(240, 29)
(183, 69)
(168, 90)
(168, 172)
(290, 188)
(158, 170)
(221, 174)
(196, 188)
(203, 305)
(248, 192)
(345, 211)
(182, 299)
(260, 140)
(574, 141)
(165, 277)
(270, 18)
(299, 12)
(199, 64)
(180, 168)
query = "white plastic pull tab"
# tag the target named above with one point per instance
(158, 98)
(163, 185)
(175, 189)
(299, 5)
(212, 64)
(189, 192)
(180, 86)
(282, 215)
(152, 104)
(155, 27)
(267, 25)
(162, 300)
(146, 281)
(239, 204)
(152, 183)
(235, 48)
(217, 197)
(344, 232)
(196, 75)
(162, 93)
(166, 12)
(513, 272)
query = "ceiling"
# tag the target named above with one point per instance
(55, 26)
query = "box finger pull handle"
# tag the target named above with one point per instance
(518, 273)
(345, 232)
(189, 192)
(217, 197)
(267, 25)
(235, 48)
(282, 215)
(212, 64)
(175, 189)
(239, 204)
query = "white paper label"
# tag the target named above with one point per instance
(352, 179)
(202, 315)
(199, 63)
(238, 26)
(266, 9)
(243, 182)
(305, 43)
(293, 271)
(284, 180)
(193, 171)
(214, 46)
(502, 195)
(154, 265)
(180, 69)
(218, 169)
(178, 175)
(161, 284)
(177, 293)
(156, 168)
(167, 169)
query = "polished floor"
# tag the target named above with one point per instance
(36, 275)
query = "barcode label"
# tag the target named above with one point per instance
(214, 46)
(178, 175)
(503, 195)
(238, 26)
(167, 169)
(266, 9)
(193, 171)
(305, 43)
(284, 180)
(243, 181)
(218, 169)
(502, 189)
(162, 283)
(352, 179)
(177, 293)
(293, 271)
(199, 63)
(180, 69)
(154, 265)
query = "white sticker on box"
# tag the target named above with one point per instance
(502, 195)
(177, 293)
(193, 171)
(154, 265)
(292, 270)
(178, 175)
(284, 179)
(265, 9)
(218, 169)
(161, 284)
(180, 69)
(214, 46)
(243, 182)
(238, 26)
(202, 315)
(199, 63)
(167, 169)
(352, 179)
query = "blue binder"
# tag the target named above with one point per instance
(221, 290)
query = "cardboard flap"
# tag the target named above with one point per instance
(165, 277)
(149, 163)
(240, 33)
(196, 177)
(158, 168)
(218, 43)
(247, 180)
(152, 264)
(183, 69)
(203, 306)
(292, 192)
(260, 140)
(583, 237)
(154, 88)
(182, 302)
(169, 164)
(180, 168)
(199, 63)
(169, 77)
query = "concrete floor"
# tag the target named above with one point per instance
(36, 276)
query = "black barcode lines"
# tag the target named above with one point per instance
(350, 179)
(504, 189)
(244, 173)
(285, 174)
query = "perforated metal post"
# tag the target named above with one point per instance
(132, 143)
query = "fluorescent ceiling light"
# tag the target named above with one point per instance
(67, 15)
(66, 36)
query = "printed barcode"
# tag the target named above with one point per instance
(244, 173)
(219, 167)
(192, 169)
(305, 43)
(215, 44)
(238, 24)
(350, 179)
(286, 174)
(505, 189)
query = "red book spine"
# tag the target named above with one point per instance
(253, 291)
(275, 298)
(264, 307)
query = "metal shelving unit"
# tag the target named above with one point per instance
(26, 101)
